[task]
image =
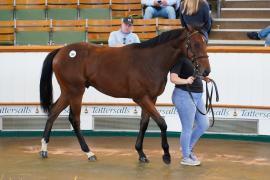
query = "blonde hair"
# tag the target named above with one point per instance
(190, 7)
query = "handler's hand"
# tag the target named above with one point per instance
(207, 78)
(190, 80)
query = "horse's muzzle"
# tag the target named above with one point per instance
(206, 72)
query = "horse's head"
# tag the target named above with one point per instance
(196, 51)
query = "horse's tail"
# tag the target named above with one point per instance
(45, 85)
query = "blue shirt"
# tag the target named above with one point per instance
(201, 19)
(118, 37)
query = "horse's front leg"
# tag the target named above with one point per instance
(147, 104)
(57, 108)
(139, 143)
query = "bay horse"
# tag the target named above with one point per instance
(137, 71)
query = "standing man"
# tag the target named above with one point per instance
(124, 35)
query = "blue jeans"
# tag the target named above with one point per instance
(188, 114)
(166, 12)
(265, 33)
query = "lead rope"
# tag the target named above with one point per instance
(208, 104)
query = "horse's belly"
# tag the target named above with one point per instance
(112, 90)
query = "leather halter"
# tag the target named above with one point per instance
(194, 58)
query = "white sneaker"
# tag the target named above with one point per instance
(193, 156)
(190, 162)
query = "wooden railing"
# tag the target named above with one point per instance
(211, 49)
(134, 104)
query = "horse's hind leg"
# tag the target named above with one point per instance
(57, 108)
(74, 118)
(147, 104)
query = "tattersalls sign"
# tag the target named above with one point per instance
(15, 110)
(168, 112)
(133, 110)
(252, 113)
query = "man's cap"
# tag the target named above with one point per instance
(127, 20)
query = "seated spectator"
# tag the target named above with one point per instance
(262, 34)
(159, 8)
(124, 35)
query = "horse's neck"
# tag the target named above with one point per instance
(168, 54)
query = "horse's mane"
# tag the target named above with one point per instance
(162, 38)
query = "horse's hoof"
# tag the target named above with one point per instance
(92, 158)
(166, 158)
(143, 160)
(43, 154)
